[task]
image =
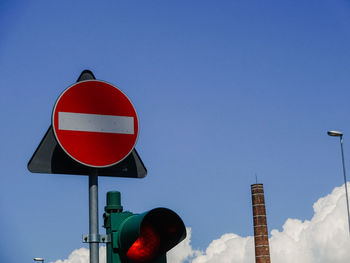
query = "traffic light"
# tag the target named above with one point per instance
(140, 238)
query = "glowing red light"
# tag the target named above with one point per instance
(146, 247)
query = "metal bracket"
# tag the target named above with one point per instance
(96, 238)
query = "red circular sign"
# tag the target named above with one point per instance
(95, 123)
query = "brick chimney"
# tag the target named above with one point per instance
(261, 239)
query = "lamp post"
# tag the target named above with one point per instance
(340, 135)
(39, 259)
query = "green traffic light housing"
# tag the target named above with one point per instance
(140, 238)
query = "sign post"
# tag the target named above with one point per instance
(93, 216)
(93, 132)
(96, 125)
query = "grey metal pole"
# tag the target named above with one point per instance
(93, 216)
(346, 187)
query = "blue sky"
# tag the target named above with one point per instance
(224, 90)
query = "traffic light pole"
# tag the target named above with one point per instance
(113, 206)
(93, 216)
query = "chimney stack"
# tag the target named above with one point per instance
(261, 239)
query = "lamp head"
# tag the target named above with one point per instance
(335, 133)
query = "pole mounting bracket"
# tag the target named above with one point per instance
(96, 238)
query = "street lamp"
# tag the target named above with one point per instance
(340, 135)
(39, 259)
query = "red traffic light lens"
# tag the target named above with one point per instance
(146, 247)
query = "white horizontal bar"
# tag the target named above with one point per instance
(95, 123)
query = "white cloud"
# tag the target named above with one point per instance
(229, 248)
(183, 252)
(81, 255)
(323, 239)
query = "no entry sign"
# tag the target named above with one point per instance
(95, 123)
